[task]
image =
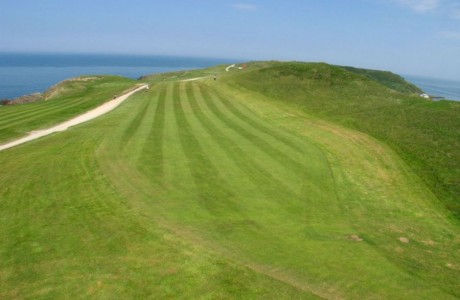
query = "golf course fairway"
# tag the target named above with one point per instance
(202, 189)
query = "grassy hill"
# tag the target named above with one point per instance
(225, 189)
(424, 133)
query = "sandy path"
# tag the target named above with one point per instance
(196, 78)
(229, 67)
(92, 114)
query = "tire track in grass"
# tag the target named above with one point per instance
(211, 188)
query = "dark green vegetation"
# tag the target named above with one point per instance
(388, 79)
(63, 101)
(425, 134)
(221, 189)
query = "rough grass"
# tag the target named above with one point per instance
(201, 190)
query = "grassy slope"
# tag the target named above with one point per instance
(201, 190)
(388, 79)
(69, 99)
(425, 134)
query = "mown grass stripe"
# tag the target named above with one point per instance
(304, 157)
(176, 175)
(22, 109)
(17, 120)
(255, 122)
(40, 109)
(135, 121)
(289, 176)
(264, 146)
(270, 192)
(313, 179)
(155, 139)
(211, 188)
(255, 172)
(36, 121)
(301, 145)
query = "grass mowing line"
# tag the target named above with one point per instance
(24, 109)
(254, 171)
(48, 112)
(287, 175)
(128, 173)
(310, 155)
(256, 123)
(83, 118)
(138, 127)
(243, 174)
(135, 121)
(265, 187)
(319, 178)
(309, 180)
(31, 109)
(176, 174)
(285, 161)
(211, 188)
(155, 139)
(36, 116)
(302, 156)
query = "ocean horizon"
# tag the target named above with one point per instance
(28, 73)
(446, 88)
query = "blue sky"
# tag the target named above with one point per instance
(418, 37)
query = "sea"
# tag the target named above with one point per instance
(28, 73)
(448, 89)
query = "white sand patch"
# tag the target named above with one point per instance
(196, 78)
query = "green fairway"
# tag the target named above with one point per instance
(206, 189)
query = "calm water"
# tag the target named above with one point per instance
(22, 74)
(448, 89)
